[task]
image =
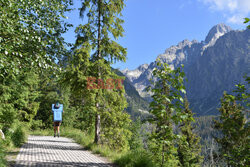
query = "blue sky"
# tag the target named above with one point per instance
(151, 26)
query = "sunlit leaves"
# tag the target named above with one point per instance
(30, 31)
(234, 141)
(246, 21)
(166, 109)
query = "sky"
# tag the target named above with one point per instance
(152, 26)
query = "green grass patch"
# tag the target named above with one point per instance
(135, 158)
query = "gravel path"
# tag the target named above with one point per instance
(50, 151)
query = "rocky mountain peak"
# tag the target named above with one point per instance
(217, 31)
(134, 74)
(142, 67)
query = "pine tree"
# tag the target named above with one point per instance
(189, 147)
(234, 142)
(94, 52)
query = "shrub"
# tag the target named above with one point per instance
(2, 154)
(19, 136)
(36, 124)
(136, 158)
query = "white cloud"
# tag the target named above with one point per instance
(236, 19)
(235, 10)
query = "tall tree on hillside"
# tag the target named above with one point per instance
(97, 47)
(166, 109)
(189, 147)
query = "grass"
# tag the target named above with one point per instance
(11, 155)
(9, 148)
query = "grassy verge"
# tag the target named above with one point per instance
(10, 146)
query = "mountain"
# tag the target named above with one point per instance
(211, 66)
(134, 74)
(137, 106)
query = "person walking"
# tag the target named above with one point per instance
(57, 110)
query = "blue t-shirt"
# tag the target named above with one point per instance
(57, 113)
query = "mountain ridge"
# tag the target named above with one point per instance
(219, 43)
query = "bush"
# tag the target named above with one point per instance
(19, 136)
(36, 124)
(136, 158)
(2, 154)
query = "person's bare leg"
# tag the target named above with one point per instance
(58, 130)
(54, 130)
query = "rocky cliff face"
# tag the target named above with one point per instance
(211, 66)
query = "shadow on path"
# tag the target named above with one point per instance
(61, 163)
(53, 147)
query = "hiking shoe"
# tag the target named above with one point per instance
(54, 135)
(58, 135)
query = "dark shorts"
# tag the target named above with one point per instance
(57, 123)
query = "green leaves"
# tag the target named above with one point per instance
(166, 109)
(30, 33)
(246, 21)
(235, 129)
(94, 52)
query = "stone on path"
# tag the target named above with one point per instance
(50, 151)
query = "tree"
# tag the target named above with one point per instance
(166, 109)
(31, 39)
(234, 126)
(189, 147)
(94, 52)
(234, 142)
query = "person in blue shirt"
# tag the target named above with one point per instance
(57, 110)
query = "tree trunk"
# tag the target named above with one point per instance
(2, 134)
(211, 153)
(162, 156)
(98, 117)
(97, 128)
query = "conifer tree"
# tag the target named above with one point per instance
(189, 147)
(96, 49)
(234, 142)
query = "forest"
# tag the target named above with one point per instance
(39, 68)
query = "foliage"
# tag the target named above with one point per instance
(30, 36)
(18, 98)
(246, 21)
(136, 158)
(19, 136)
(166, 110)
(51, 92)
(2, 154)
(189, 147)
(135, 141)
(36, 124)
(92, 55)
(235, 132)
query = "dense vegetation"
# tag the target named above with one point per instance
(38, 68)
